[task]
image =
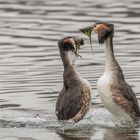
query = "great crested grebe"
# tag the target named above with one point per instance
(116, 95)
(74, 99)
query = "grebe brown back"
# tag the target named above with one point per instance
(116, 95)
(74, 99)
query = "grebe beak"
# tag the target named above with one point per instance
(78, 43)
(88, 31)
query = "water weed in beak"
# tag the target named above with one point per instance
(87, 31)
(78, 43)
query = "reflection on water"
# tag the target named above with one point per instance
(31, 69)
(76, 134)
(121, 134)
(66, 137)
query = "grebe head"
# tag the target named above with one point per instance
(103, 30)
(70, 44)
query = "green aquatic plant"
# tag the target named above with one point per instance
(87, 31)
(78, 43)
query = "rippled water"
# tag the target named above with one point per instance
(31, 69)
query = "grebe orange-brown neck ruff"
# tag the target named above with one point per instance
(116, 95)
(74, 99)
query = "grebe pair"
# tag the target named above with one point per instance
(116, 95)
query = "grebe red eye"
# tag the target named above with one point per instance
(94, 25)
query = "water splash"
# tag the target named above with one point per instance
(100, 118)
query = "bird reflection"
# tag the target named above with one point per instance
(121, 134)
(71, 137)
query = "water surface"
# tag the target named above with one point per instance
(31, 69)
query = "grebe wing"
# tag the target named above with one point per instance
(85, 102)
(73, 104)
(125, 97)
(59, 99)
(68, 103)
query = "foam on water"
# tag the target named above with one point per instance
(100, 118)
